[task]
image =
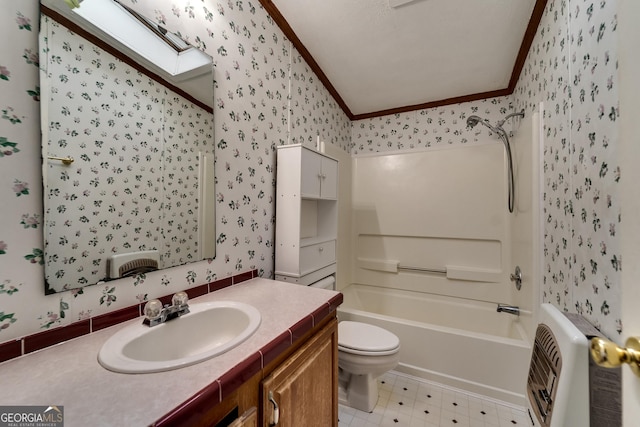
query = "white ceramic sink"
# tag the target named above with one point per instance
(210, 329)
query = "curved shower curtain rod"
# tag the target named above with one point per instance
(497, 129)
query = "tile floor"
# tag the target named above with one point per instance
(406, 401)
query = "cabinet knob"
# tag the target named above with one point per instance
(321, 249)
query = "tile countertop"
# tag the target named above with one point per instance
(69, 374)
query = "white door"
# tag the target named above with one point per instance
(629, 89)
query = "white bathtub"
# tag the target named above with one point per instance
(460, 343)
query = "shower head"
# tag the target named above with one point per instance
(472, 121)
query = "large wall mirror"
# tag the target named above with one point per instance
(127, 147)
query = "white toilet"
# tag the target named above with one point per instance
(364, 353)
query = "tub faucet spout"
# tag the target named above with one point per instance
(511, 309)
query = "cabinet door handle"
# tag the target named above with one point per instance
(276, 410)
(321, 249)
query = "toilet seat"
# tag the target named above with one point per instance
(365, 339)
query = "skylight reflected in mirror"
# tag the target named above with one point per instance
(143, 40)
(139, 36)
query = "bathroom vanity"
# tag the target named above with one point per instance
(299, 388)
(289, 363)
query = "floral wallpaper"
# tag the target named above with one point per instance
(595, 173)
(545, 77)
(310, 118)
(572, 68)
(253, 108)
(265, 96)
(417, 130)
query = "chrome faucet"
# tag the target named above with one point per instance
(511, 309)
(156, 314)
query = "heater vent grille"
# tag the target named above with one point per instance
(546, 363)
(549, 345)
(138, 266)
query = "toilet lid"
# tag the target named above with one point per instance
(364, 337)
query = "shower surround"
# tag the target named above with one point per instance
(433, 249)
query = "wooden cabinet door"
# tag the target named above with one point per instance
(305, 386)
(248, 419)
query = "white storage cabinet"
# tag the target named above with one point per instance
(306, 214)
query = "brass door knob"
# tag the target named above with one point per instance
(608, 355)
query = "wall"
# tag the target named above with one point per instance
(571, 67)
(265, 95)
(433, 127)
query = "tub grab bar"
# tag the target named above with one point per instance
(389, 266)
(422, 269)
(474, 274)
(452, 272)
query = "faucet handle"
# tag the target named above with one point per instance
(153, 309)
(179, 299)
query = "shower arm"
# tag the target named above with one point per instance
(507, 117)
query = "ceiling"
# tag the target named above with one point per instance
(377, 57)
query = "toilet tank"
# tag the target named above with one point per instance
(558, 381)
